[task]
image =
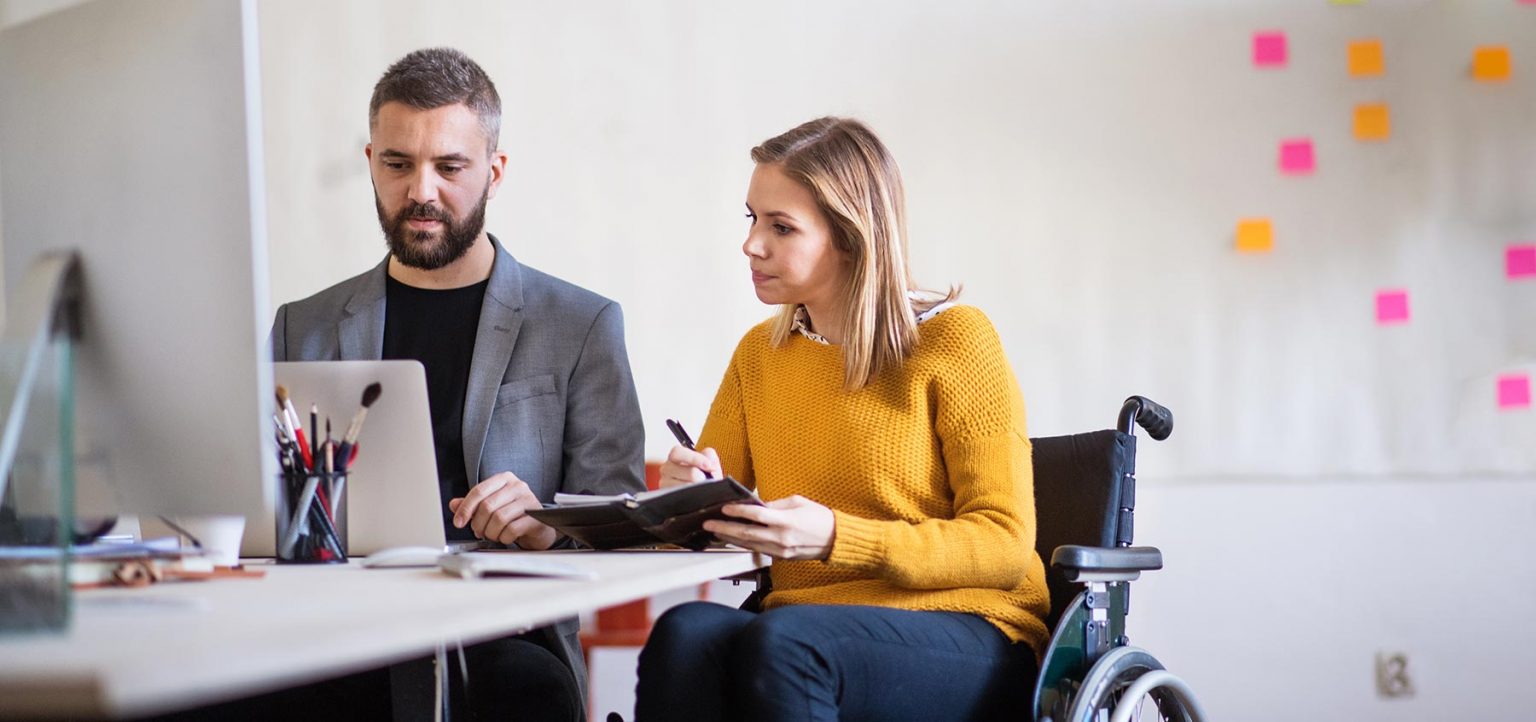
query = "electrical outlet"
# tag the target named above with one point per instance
(1392, 677)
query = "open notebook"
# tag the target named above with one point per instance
(674, 515)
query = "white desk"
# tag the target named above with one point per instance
(176, 645)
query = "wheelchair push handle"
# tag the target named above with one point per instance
(1154, 417)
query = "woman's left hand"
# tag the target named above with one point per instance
(792, 528)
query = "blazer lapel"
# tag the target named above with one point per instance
(361, 331)
(501, 315)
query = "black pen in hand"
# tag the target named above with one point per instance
(686, 440)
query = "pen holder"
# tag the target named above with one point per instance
(312, 518)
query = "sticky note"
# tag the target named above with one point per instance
(1366, 58)
(1520, 262)
(1255, 235)
(1391, 306)
(1296, 156)
(1373, 121)
(1490, 63)
(1269, 49)
(1515, 391)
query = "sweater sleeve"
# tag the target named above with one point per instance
(726, 428)
(979, 420)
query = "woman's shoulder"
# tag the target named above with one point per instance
(754, 342)
(967, 367)
(959, 343)
(958, 327)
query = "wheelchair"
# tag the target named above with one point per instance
(1085, 503)
(1085, 500)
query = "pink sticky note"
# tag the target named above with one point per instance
(1391, 306)
(1515, 391)
(1269, 49)
(1520, 261)
(1296, 156)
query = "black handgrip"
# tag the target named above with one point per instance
(1154, 417)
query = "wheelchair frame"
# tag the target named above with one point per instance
(1089, 672)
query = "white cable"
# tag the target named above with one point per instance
(1131, 699)
(458, 644)
(440, 681)
(440, 678)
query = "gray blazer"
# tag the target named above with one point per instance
(550, 395)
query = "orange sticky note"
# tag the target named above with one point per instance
(1373, 121)
(1366, 58)
(1255, 235)
(1490, 62)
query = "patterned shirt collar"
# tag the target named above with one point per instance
(802, 322)
(802, 325)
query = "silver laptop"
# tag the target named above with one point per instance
(392, 489)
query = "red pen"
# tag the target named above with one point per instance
(309, 459)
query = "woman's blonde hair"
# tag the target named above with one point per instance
(858, 187)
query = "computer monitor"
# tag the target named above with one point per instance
(131, 132)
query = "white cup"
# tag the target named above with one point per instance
(219, 535)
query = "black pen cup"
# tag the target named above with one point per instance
(312, 518)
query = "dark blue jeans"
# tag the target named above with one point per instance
(813, 662)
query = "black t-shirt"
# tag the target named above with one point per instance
(437, 328)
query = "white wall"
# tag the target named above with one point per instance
(1277, 594)
(1333, 489)
(1079, 168)
(15, 12)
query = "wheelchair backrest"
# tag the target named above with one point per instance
(1085, 493)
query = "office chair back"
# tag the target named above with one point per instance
(1085, 493)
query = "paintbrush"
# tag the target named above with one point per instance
(355, 429)
(286, 405)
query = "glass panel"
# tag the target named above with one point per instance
(37, 506)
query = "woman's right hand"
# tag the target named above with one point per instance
(685, 466)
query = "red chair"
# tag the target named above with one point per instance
(628, 624)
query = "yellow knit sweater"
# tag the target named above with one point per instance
(927, 470)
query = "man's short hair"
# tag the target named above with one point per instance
(435, 77)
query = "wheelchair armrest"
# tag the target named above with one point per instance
(1101, 564)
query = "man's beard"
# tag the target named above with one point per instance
(417, 249)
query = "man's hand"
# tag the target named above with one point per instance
(496, 509)
(792, 528)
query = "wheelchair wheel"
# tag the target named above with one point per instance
(1103, 689)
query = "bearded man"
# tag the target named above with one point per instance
(528, 379)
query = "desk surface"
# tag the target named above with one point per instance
(170, 646)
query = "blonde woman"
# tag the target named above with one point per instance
(885, 430)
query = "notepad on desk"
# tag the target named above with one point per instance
(475, 565)
(674, 515)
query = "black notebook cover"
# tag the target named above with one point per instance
(674, 515)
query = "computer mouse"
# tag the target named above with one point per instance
(395, 557)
